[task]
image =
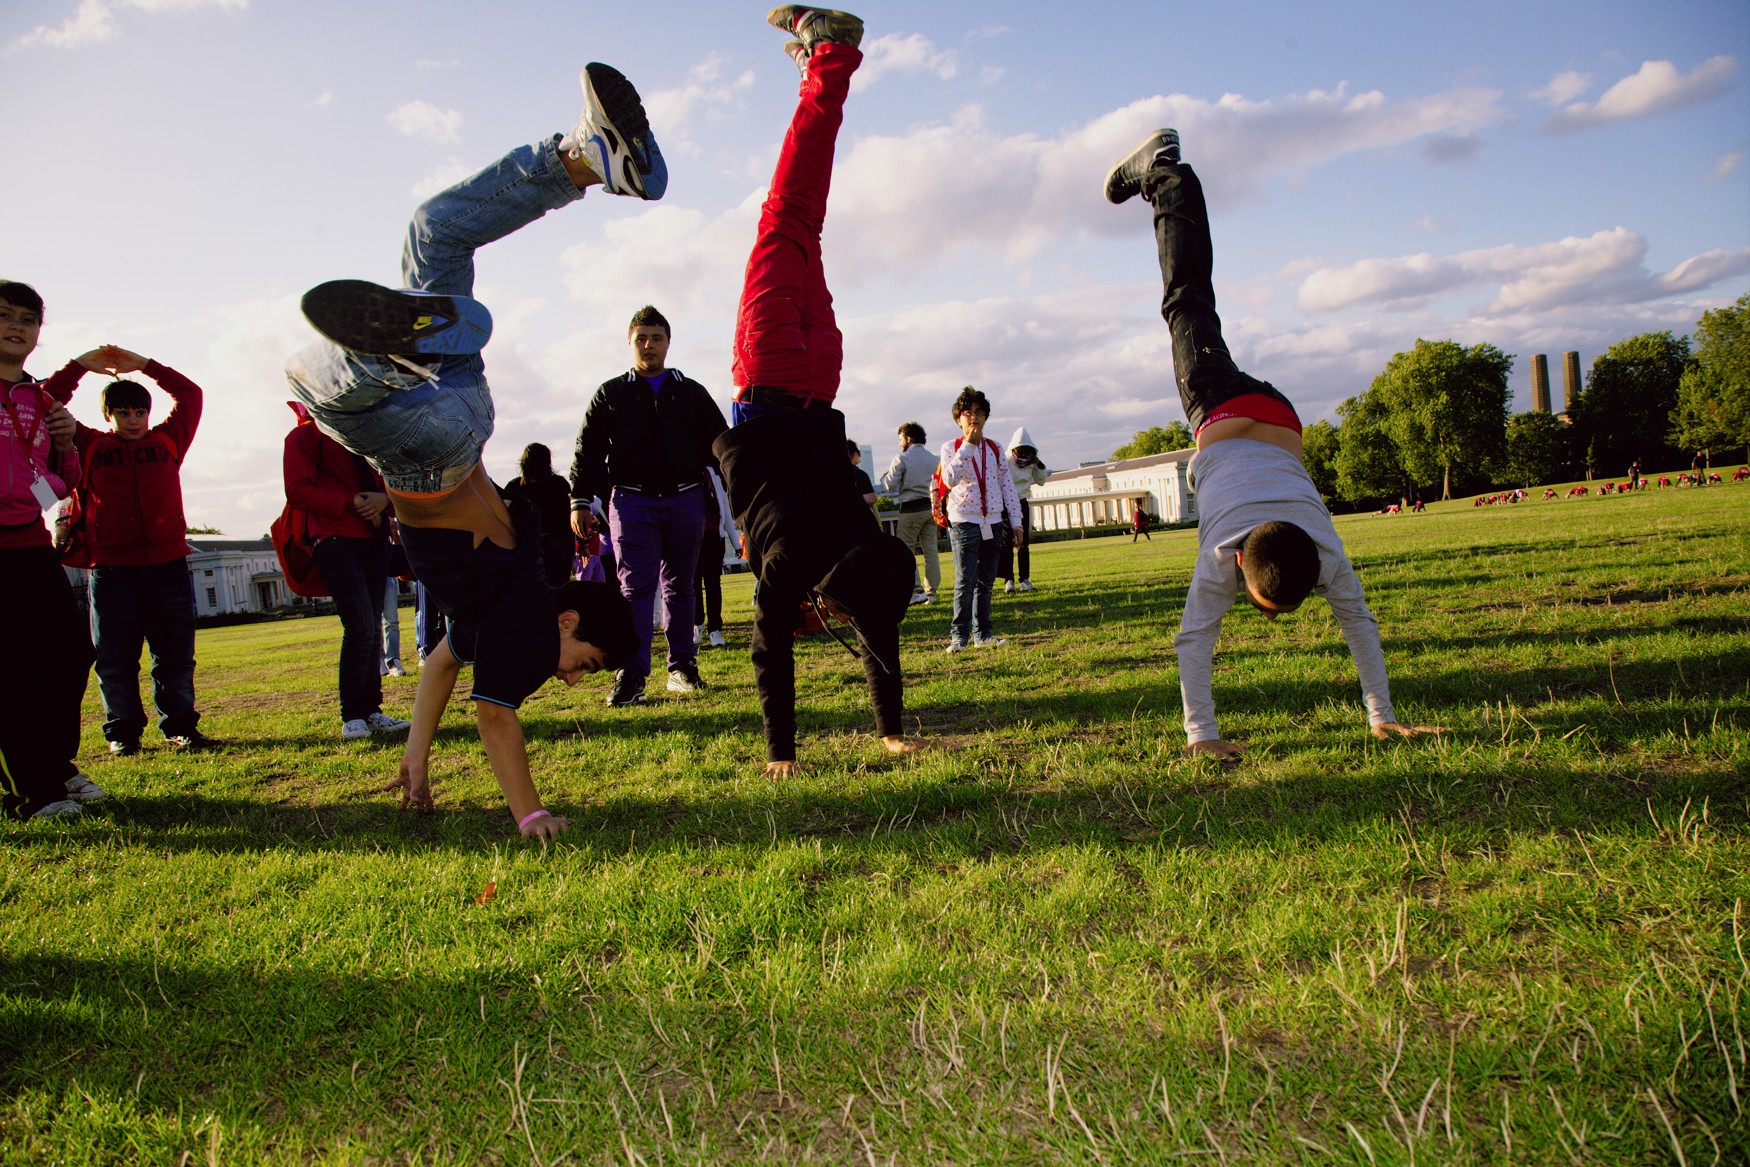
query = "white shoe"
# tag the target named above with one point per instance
(1008, 585)
(717, 640)
(956, 646)
(59, 810)
(1025, 585)
(80, 788)
(380, 722)
(920, 598)
(395, 668)
(353, 730)
(613, 136)
(989, 641)
(698, 634)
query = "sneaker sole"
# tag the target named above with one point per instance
(638, 700)
(1120, 189)
(369, 318)
(618, 112)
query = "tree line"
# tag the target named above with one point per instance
(1438, 419)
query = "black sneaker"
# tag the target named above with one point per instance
(369, 318)
(628, 689)
(193, 741)
(685, 679)
(1125, 180)
(125, 749)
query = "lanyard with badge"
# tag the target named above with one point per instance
(39, 487)
(984, 529)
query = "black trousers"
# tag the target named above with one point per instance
(42, 681)
(1202, 365)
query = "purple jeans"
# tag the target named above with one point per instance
(658, 539)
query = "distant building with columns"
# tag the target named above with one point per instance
(1110, 492)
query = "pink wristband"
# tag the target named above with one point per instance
(529, 818)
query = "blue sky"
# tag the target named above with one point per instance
(1541, 177)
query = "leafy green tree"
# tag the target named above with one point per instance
(1624, 412)
(1319, 444)
(1535, 452)
(1713, 396)
(1446, 409)
(1367, 459)
(1156, 440)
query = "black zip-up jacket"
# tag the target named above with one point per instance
(651, 442)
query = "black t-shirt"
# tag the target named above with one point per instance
(865, 487)
(499, 604)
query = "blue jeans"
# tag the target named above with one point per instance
(975, 570)
(424, 433)
(135, 607)
(391, 618)
(354, 569)
(429, 625)
(657, 540)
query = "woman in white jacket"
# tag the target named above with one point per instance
(1028, 470)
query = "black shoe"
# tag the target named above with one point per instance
(369, 318)
(628, 689)
(125, 749)
(685, 679)
(1125, 180)
(192, 742)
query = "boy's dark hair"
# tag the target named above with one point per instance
(972, 399)
(537, 462)
(1281, 563)
(852, 449)
(913, 432)
(604, 618)
(21, 296)
(649, 317)
(125, 395)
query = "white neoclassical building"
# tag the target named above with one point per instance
(1110, 492)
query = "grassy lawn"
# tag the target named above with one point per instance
(1059, 941)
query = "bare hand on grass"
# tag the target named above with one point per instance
(1224, 751)
(1385, 730)
(548, 826)
(415, 791)
(781, 770)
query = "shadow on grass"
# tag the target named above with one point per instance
(972, 805)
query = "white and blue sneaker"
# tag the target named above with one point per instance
(369, 318)
(613, 136)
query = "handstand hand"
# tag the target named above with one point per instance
(411, 782)
(545, 827)
(1386, 729)
(899, 746)
(781, 770)
(1215, 747)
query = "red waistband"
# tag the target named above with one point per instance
(1258, 407)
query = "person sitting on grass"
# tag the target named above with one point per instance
(1263, 532)
(809, 534)
(398, 378)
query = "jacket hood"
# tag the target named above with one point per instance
(1022, 438)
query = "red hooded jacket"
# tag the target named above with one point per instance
(322, 476)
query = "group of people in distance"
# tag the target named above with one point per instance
(397, 379)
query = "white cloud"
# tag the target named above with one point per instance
(422, 119)
(93, 22)
(1563, 88)
(1727, 165)
(706, 94)
(903, 54)
(449, 174)
(1605, 267)
(426, 64)
(1656, 89)
(325, 99)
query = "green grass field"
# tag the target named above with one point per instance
(1526, 941)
